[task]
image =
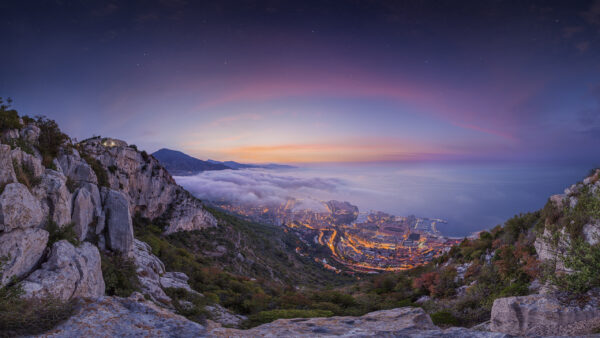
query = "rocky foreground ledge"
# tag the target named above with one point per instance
(137, 317)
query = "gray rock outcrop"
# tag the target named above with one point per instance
(18, 208)
(544, 315)
(7, 173)
(223, 316)
(31, 162)
(70, 272)
(22, 250)
(400, 322)
(119, 227)
(83, 212)
(149, 269)
(151, 190)
(30, 133)
(125, 317)
(76, 168)
(54, 196)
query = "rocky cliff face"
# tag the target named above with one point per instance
(95, 187)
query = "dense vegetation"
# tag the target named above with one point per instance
(119, 273)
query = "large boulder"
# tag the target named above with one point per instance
(7, 172)
(118, 221)
(55, 197)
(83, 212)
(22, 249)
(70, 272)
(18, 208)
(545, 315)
(125, 317)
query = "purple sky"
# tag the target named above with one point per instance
(323, 81)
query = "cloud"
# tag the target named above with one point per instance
(259, 188)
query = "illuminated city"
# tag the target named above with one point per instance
(370, 242)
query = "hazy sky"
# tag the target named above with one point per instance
(305, 81)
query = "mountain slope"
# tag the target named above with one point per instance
(178, 163)
(181, 164)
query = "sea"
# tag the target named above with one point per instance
(469, 197)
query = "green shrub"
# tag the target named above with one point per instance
(271, 315)
(515, 289)
(188, 304)
(22, 144)
(584, 260)
(22, 316)
(119, 275)
(98, 169)
(57, 233)
(72, 185)
(444, 318)
(50, 140)
(9, 118)
(25, 175)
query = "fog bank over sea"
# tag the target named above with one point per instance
(470, 197)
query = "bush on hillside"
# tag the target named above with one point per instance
(25, 175)
(119, 274)
(444, 319)
(271, 315)
(98, 169)
(9, 118)
(58, 233)
(584, 260)
(50, 140)
(29, 316)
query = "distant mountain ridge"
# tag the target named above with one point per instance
(181, 164)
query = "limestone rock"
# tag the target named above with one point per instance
(125, 317)
(70, 272)
(188, 214)
(7, 173)
(149, 269)
(177, 280)
(591, 233)
(223, 316)
(118, 221)
(76, 168)
(400, 322)
(22, 249)
(30, 133)
(28, 161)
(55, 197)
(83, 212)
(548, 252)
(151, 190)
(96, 200)
(18, 208)
(543, 315)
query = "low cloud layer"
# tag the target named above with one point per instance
(260, 188)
